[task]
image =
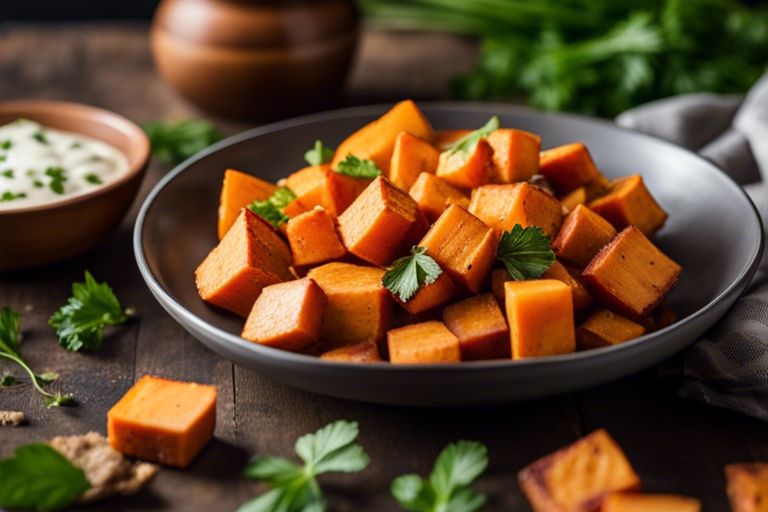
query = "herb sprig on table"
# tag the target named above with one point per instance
(525, 252)
(406, 275)
(174, 142)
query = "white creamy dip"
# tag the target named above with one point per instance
(40, 165)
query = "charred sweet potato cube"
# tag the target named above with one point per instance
(661, 317)
(287, 315)
(540, 317)
(463, 246)
(434, 195)
(630, 275)
(313, 238)
(558, 271)
(577, 478)
(747, 486)
(249, 257)
(445, 138)
(568, 167)
(503, 206)
(318, 185)
(363, 352)
(604, 329)
(480, 326)
(430, 296)
(411, 157)
(629, 202)
(581, 236)
(376, 140)
(376, 226)
(426, 342)
(238, 190)
(515, 154)
(632, 502)
(358, 306)
(467, 170)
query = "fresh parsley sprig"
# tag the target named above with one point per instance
(294, 487)
(467, 143)
(406, 275)
(38, 477)
(525, 252)
(319, 154)
(80, 322)
(10, 348)
(271, 209)
(448, 487)
(174, 142)
(358, 168)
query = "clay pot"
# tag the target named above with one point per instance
(255, 58)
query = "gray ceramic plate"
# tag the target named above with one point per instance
(713, 232)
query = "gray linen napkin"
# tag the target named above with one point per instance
(728, 367)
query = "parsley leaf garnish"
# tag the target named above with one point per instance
(294, 487)
(10, 348)
(93, 179)
(76, 145)
(10, 196)
(319, 154)
(174, 142)
(448, 487)
(406, 275)
(40, 137)
(467, 143)
(40, 478)
(525, 252)
(358, 168)
(271, 209)
(80, 322)
(58, 177)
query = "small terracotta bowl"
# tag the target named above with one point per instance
(36, 235)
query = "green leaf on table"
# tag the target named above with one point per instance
(271, 209)
(358, 168)
(525, 252)
(406, 275)
(319, 154)
(467, 143)
(174, 142)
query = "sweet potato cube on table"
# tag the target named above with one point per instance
(480, 326)
(249, 257)
(515, 154)
(568, 167)
(577, 478)
(313, 238)
(630, 275)
(581, 236)
(287, 315)
(238, 190)
(629, 202)
(467, 170)
(463, 246)
(376, 140)
(426, 342)
(358, 307)
(747, 486)
(430, 296)
(163, 420)
(574, 198)
(503, 206)
(604, 329)
(540, 318)
(318, 185)
(443, 139)
(411, 157)
(632, 502)
(581, 297)
(434, 195)
(363, 352)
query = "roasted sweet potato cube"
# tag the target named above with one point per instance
(467, 170)
(480, 326)
(540, 317)
(376, 226)
(577, 478)
(411, 157)
(632, 502)
(574, 198)
(318, 185)
(427, 342)
(358, 306)
(163, 420)
(629, 202)
(630, 275)
(434, 195)
(376, 140)
(581, 236)
(568, 167)
(287, 315)
(238, 190)
(463, 246)
(604, 329)
(515, 154)
(443, 139)
(661, 317)
(430, 296)
(313, 238)
(249, 257)
(363, 352)
(747, 486)
(499, 276)
(581, 297)
(503, 206)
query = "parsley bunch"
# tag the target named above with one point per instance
(174, 142)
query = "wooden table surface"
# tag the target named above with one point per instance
(676, 445)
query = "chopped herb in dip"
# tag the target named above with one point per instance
(93, 178)
(11, 196)
(58, 177)
(8, 173)
(40, 137)
(6, 144)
